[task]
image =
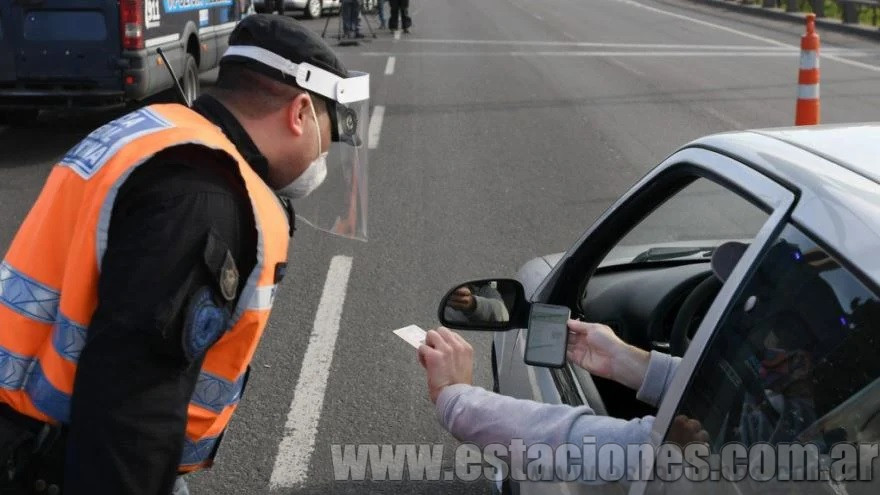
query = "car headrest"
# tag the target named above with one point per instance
(725, 257)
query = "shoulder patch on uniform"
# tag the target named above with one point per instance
(221, 265)
(205, 322)
(228, 278)
(96, 149)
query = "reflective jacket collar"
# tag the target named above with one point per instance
(210, 108)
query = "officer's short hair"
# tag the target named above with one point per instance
(254, 94)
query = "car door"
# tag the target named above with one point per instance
(789, 376)
(599, 250)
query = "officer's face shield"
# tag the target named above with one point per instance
(339, 206)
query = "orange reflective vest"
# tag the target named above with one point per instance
(49, 276)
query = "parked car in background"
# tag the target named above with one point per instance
(311, 8)
(103, 53)
(753, 256)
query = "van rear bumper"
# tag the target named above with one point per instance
(59, 98)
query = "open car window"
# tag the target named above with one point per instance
(688, 225)
(644, 279)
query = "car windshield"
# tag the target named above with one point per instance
(689, 226)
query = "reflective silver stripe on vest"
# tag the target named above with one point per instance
(68, 338)
(197, 452)
(214, 392)
(26, 296)
(262, 298)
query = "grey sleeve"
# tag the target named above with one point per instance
(661, 370)
(472, 414)
(489, 309)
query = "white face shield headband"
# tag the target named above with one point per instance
(339, 205)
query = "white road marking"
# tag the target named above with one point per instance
(771, 41)
(536, 16)
(389, 67)
(300, 431)
(590, 44)
(397, 34)
(706, 23)
(375, 129)
(599, 54)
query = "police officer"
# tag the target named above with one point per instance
(134, 294)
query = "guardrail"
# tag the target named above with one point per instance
(866, 12)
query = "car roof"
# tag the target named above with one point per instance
(855, 147)
(835, 172)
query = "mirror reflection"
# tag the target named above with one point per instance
(484, 303)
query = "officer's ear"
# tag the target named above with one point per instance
(299, 114)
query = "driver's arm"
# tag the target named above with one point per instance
(472, 414)
(597, 349)
(658, 377)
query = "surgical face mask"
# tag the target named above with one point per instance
(314, 174)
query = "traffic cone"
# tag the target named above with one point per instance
(807, 111)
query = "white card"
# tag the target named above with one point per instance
(412, 334)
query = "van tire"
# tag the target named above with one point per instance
(313, 9)
(189, 81)
(19, 117)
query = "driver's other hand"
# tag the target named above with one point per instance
(594, 347)
(462, 299)
(448, 360)
(685, 430)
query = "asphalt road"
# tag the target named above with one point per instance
(509, 126)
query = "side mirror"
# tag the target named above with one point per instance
(493, 305)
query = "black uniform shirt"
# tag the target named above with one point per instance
(135, 376)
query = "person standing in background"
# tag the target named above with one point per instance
(380, 10)
(400, 9)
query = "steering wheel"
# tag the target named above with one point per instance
(684, 326)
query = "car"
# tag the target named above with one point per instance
(738, 252)
(93, 54)
(313, 9)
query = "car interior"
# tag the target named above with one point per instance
(646, 303)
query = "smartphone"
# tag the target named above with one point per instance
(547, 338)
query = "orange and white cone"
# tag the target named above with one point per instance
(807, 111)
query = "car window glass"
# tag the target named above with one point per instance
(795, 359)
(702, 215)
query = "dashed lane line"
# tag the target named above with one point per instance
(301, 429)
(375, 130)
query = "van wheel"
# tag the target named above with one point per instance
(190, 79)
(313, 9)
(19, 117)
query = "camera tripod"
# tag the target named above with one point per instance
(343, 41)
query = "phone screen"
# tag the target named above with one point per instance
(548, 335)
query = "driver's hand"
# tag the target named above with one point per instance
(597, 349)
(463, 300)
(685, 430)
(448, 360)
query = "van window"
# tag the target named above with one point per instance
(64, 25)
